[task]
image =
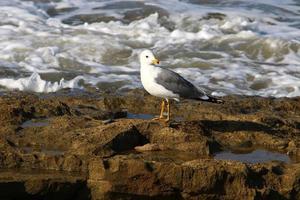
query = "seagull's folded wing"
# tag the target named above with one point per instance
(178, 85)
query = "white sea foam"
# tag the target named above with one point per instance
(224, 47)
(36, 84)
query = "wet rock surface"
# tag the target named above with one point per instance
(83, 146)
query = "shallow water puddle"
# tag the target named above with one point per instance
(35, 123)
(256, 156)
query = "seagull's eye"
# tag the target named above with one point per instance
(147, 56)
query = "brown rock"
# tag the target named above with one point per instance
(58, 146)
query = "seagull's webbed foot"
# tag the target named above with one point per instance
(157, 118)
(161, 116)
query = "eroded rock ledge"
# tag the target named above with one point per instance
(83, 146)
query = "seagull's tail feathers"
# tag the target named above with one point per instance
(210, 99)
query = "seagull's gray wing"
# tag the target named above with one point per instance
(178, 85)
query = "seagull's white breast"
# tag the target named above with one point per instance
(148, 75)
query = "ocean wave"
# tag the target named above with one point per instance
(36, 84)
(229, 49)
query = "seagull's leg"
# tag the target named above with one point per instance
(162, 109)
(161, 116)
(169, 110)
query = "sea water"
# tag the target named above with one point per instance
(226, 47)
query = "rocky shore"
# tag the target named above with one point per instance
(70, 145)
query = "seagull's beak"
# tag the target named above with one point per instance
(155, 61)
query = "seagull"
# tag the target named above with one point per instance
(167, 84)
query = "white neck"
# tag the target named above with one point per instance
(146, 69)
(146, 65)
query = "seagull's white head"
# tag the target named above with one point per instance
(147, 58)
